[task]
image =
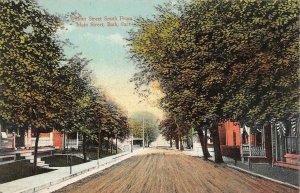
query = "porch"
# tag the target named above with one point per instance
(286, 143)
(253, 151)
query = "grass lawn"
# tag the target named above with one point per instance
(62, 160)
(16, 170)
(90, 152)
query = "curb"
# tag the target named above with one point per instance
(264, 177)
(252, 173)
(57, 181)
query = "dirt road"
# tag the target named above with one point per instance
(170, 171)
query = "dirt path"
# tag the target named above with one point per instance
(170, 171)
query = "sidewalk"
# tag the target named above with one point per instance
(45, 180)
(279, 174)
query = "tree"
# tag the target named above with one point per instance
(87, 109)
(168, 130)
(30, 57)
(149, 123)
(218, 60)
(77, 113)
(136, 128)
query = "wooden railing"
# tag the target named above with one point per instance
(43, 141)
(257, 151)
(6, 142)
(72, 143)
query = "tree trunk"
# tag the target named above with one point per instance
(107, 144)
(111, 145)
(37, 137)
(99, 143)
(188, 142)
(181, 145)
(116, 145)
(216, 141)
(177, 142)
(171, 143)
(84, 147)
(203, 144)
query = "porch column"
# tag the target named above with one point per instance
(25, 139)
(241, 144)
(276, 144)
(14, 141)
(249, 162)
(272, 143)
(29, 144)
(0, 134)
(66, 140)
(263, 139)
(249, 142)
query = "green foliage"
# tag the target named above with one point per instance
(168, 129)
(136, 128)
(219, 60)
(86, 108)
(30, 57)
(37, 90)
(150, 124)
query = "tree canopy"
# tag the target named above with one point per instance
(218, 60)
(42, 89)
(150, 123)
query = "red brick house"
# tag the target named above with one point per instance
(230, 139)
(277, 143)
(26, 140)
(229, 133)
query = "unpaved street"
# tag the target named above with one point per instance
(169, 171)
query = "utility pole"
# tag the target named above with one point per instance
(69, 159)
(131, 142)
(143, 132)
(99, 144)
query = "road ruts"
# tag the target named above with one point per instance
(170, 171)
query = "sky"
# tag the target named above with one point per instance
(106, 46)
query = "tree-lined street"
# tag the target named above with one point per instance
(221, 74)
(167, 170)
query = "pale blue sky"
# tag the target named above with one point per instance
(105, 45)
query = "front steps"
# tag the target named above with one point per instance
(287, 165)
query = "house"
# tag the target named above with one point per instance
(24, 139)
(248, 144)
(274, 143)
(286, 143)
(230, 139)
(256, 144)
(229, 134)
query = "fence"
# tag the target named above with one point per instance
(255, 151)
(43, 141)
(73, 143)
